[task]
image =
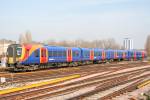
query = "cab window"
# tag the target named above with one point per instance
(36, 53)
(19, 51)
(10, 52)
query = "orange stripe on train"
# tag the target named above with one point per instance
(27, 50)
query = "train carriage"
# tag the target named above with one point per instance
(57, 54)
(31, 57)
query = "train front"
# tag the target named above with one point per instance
(14, 52)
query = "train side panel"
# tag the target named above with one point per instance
(30, 55)
(97, 54)
(57, 54)
(76, 54)
(85, 54)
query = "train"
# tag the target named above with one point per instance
(29, 57)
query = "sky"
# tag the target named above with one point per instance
(76, 19)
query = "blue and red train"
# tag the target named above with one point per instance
(32, 57)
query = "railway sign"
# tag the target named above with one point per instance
(3, 79)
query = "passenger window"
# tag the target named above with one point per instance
(59, 54)
(64, 53)
(36, 53)
(75, 53)
(19, 51)
(50, 53)
(10, 51)
(100, 54)
(55, 53)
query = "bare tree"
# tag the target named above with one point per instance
(51, 42)
(64, 43)
(78, 43)
(147, 45)
(110, 44)
(107, 43)
(95, 44)
(28, 37)
(99, 44)
(25, 38)
(22, 39)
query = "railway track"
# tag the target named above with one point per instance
(130, 85)
(54, 73)
(128, 88)
(83, 91)
(69, 90)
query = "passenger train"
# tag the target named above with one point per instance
(29, 57)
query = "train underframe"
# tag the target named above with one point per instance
(33, 67)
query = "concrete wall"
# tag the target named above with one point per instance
(4, 45)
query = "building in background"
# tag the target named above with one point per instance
(4, 45)
(128, 43)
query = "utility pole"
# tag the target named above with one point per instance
(3, 46)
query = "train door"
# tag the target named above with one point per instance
(27, 53)
(69, 55)
(135, 55)
(124, 55)
(43, 55)
(91, 54)
(103, 55)
(143, 55)
(115, 54)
